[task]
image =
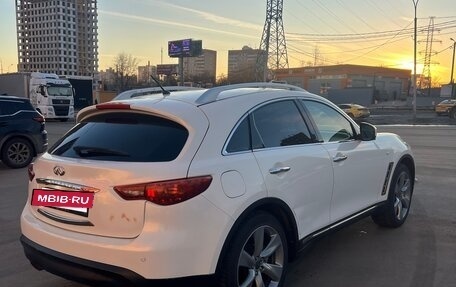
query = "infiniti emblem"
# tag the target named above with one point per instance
(58, 170)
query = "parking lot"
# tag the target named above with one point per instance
(421, 253)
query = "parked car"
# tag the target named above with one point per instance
(186, 185)
(150, 91)
(355, 111)
(446, 107)
(22, 132)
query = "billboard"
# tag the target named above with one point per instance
(184, 48)
(167, 69)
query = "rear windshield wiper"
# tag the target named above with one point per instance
(84, 151)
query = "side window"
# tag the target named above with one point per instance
(9, 107)
(240, 140)
(331, 125)
(279, 124)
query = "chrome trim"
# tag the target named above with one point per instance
(69, 185)
(279, 169)
(62, 219)
(339, 157)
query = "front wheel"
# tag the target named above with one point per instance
(396, 209)
(258, 254)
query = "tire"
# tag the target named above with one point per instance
(258, 254)
(394, 213)
(63, 120)
(452, 113)
(17, 153)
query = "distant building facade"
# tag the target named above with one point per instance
(242, 64)
(145, 73)
(202, 68)
(57, 36)
(386, 83)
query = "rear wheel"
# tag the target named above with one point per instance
(17, 153)
(395, 211)
(257, 256)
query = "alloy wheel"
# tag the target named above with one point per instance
(262, 259)
(18, 153)
(403, 195)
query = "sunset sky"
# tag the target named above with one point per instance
(365, 32)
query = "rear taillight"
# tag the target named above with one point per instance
(31, 173)
(39, 119)
(165, 192)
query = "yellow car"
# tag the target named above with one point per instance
(355, 111)
(446, 107)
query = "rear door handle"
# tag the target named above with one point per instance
(339, 157)
(279, 169)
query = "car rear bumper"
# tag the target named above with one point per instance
(165, 249)
(74, 268)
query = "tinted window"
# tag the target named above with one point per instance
(123, 137)
(331, 125)
(9, 107)
(240, 140)
(280, 124)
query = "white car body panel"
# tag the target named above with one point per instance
(307, 187)
(359, 179)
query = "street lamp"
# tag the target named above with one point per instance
(452, 68)
(415, 3)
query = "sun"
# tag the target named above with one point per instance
(407, 64)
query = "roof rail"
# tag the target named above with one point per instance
(212, 94)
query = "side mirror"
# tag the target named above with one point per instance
(368, 132)
(42, 91)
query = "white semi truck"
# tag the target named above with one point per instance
(52, 96)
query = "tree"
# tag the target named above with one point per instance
(125, 66)
(222, 80)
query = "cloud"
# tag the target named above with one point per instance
(215, 18)
(174, 24)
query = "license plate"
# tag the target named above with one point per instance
(71, 201)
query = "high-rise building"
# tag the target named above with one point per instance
(57, 36)
(242, 64)
(201, 68)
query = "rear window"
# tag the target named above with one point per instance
(123, 137)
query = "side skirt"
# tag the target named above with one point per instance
(338, 225)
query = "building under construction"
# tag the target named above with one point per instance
(57, 36)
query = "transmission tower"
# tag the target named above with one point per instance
(273, 48)
(425, 79)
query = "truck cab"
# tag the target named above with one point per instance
(53, 97)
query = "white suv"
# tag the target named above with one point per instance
(228, 181)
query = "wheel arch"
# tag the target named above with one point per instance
(409, 162)
(275, 207)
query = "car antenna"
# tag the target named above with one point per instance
(164, 92)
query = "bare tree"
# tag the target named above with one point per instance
(125, 67)
(222, 80)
